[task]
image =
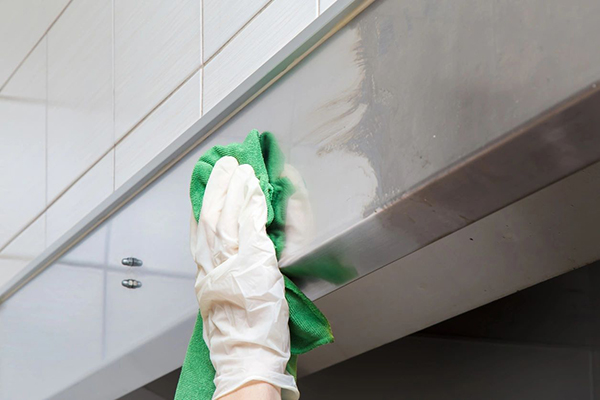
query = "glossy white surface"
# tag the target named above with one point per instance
(157, 46)
(23, 148)
(51, 332)
(134, 316)
(22, 25)
(138, 229)
(81, 198)
(80, 106)
(158, 130)
(273, 28)
(223, 18)
(30, 243)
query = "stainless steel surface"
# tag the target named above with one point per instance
(132, 262)
(549, 233)
(417, 127)
(548, 148)
(131, 283)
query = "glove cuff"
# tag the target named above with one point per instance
(227, 383)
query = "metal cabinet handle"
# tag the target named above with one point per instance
(131, 283)
(131, 262)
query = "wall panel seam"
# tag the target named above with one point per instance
(114, 124)
(35, 45)
(237, 33)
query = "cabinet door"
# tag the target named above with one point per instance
(155, 227)
(134, 316)
(51, 331)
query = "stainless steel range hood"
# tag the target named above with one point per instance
(451, 152)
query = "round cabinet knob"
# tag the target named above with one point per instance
(131, 262)
(131, 283)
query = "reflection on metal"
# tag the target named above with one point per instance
(131, 283)
(550, 147)
(132, 262)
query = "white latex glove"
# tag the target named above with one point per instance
(239, 286)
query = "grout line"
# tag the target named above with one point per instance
(237, 33)
(35, 45)
(46, 132)
(318, 7)
(44, 215)
(163, 101)
(201, 31)
(114, 114)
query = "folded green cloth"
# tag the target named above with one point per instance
(308, 326)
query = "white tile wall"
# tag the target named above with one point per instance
(80, 106)
(88, 192)
(23, 148)
(157, 46)
(22, 24)
(156, 132)
(325, 4)
(280, 22)
(30, 243)
(223, 18)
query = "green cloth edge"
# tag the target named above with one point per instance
(309, 328)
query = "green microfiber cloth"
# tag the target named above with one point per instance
(308, 326)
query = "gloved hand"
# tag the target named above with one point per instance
(239, 286)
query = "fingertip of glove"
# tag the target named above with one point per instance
(227, 162)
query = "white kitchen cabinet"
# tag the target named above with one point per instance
(135, 316)
(51, 331)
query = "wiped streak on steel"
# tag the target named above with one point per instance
(551, 146)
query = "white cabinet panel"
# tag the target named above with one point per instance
(23, 149)
(51, 332)
(223, 18)
(155, 133)
(80, 104)
(88, 192)
(272, 29)
(22, 25)
(157, 46)
(28, 245)
(134, 316)
(138, 230)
